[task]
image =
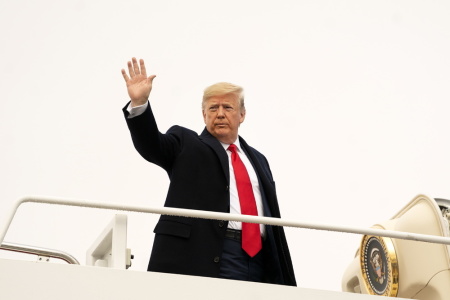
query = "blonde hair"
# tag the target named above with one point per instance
(223, 88)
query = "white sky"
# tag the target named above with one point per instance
(348, 100)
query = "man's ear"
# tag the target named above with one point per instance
(204, 115)
(242, 118)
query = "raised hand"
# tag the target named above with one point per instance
(139, 85)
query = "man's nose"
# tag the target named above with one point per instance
(220, 112)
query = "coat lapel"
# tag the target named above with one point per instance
(212, 142)
(266, 183)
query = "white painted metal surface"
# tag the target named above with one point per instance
(110, 247)
(22, 280)
(55, 281)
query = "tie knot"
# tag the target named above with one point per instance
(232, 148)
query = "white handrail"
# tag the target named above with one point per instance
(227, 217)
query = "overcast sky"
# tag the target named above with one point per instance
(349, 101)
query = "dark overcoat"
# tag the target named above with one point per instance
(199, 179)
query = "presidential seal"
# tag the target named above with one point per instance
(379, 265)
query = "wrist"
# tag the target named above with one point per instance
(140, 102)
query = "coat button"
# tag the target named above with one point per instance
(216, 259)
(221, 223)
(227, 188)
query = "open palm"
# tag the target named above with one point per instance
(139, 85)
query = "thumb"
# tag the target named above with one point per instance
(150, 78)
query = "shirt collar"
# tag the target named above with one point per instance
(238, 145)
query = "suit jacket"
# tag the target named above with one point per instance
(199, 179)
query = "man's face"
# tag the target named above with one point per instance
(223, 115)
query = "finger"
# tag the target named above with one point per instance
(130, 69)
(125, 76)
(143, 70)
(136, 66)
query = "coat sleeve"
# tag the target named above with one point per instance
(154, 146)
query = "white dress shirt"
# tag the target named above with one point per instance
(235, 207)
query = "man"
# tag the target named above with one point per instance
(214, 171)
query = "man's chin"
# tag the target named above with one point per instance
(224, 136)
(221, 133)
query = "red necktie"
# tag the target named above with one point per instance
(251, 236)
